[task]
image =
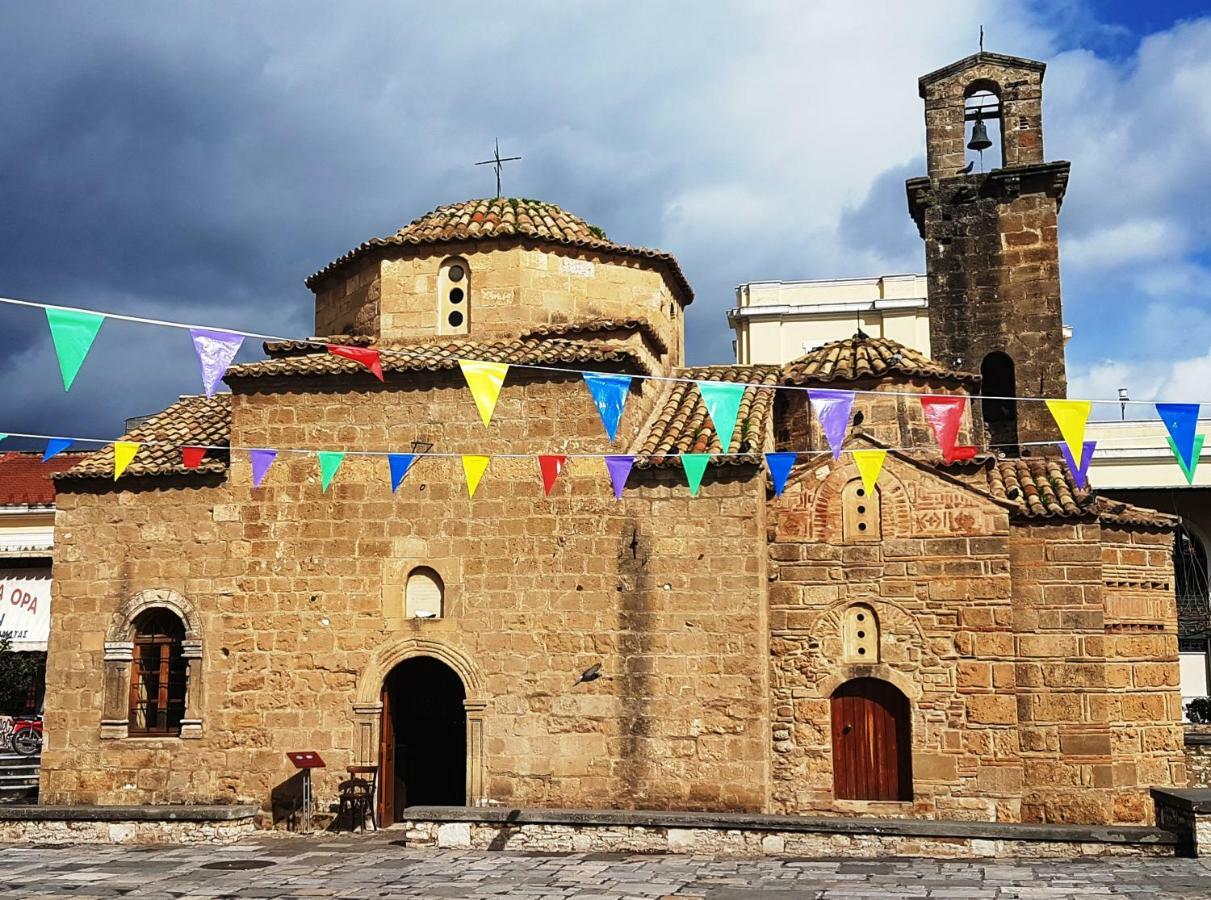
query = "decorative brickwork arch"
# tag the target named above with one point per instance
(368, 705)
(119, 659)
(827, 503)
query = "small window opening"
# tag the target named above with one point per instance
(454, 297)
(859, 513)
(860, 634)
(157, 676)
(424, 594)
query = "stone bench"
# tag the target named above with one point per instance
(748, 835)
(45, 824)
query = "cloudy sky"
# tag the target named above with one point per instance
(195, 161)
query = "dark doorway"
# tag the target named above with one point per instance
(872, 742)
(424, 738)
(999, 387)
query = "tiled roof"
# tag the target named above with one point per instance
(1038, 486)
(436, 356)
(866, 357)
(189, 421)
(680, 422)
(504, 217)
(596, 326)
(1126, 514)
(25, 480)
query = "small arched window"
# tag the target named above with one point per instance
(860, 634)
(860, 516)
(157, 675)
(424, 594)
(454, 297)
(998, 385)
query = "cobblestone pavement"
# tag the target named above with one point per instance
(377, 866)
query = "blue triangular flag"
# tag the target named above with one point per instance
(400, 464)
(609, 396)
(1182, 420)
(779, 468)
(55, 446)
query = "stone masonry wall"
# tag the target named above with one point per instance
(939, 584)
(298, 595)
(513, 287)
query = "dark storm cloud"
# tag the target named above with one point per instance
(195, 161)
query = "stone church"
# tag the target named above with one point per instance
(972, 640)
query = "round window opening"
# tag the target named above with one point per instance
(861, 492)
(456, 273)
(861, 617)
(861, 509)
(861, 634)
(861, 525)
(861, 651)
(456, 295)
(455, 318)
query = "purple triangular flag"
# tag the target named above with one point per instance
(832, 409)
(779, 468)
(216, 350)
(261, 461)
(1080, 472)
(619, 468)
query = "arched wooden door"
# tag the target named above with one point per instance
(872, 742)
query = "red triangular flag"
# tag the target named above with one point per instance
(191, 457)
(551, 466)
(366, 356)
(944, 414)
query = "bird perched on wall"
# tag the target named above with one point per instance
(966, 170)
(592, 673)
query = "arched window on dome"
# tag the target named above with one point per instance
(454, 297)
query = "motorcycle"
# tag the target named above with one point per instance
(27, 735)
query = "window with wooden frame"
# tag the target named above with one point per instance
(860, 514)
(157, 675)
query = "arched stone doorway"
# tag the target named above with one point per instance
(423, 738)
(872, 741)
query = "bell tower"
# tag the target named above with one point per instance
(988, 214)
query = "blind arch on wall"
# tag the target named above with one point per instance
(424, 594)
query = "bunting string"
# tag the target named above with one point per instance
(350, 353)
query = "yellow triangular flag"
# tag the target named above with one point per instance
(124, 452)
(485, 380)
(473, 468)
(1071, 416)
(870, 464)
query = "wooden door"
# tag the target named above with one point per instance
(872, 745)
(386, 763)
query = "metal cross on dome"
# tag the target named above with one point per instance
(495, 162)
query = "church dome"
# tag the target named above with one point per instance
(504, 217)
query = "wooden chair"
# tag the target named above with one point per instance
(359, 796)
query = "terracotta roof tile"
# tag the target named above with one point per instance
(680, 422)
(435, 357)
(866, 357)
(1119, 513)
(504, 217)
(1038, 486)
(189, 421)
(589, 327)
(25, 480)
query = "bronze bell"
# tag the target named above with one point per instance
(979, 136)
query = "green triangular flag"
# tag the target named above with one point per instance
(1188, 471)
(330, 461)
(694, 465)
(73, 332)
(722, 400)
(3, 436)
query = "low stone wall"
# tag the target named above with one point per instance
(125, 824)
(1198, 755)
(1187, 813)
(742, 835)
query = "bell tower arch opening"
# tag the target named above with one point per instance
(983, 126)
(1000, 408)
